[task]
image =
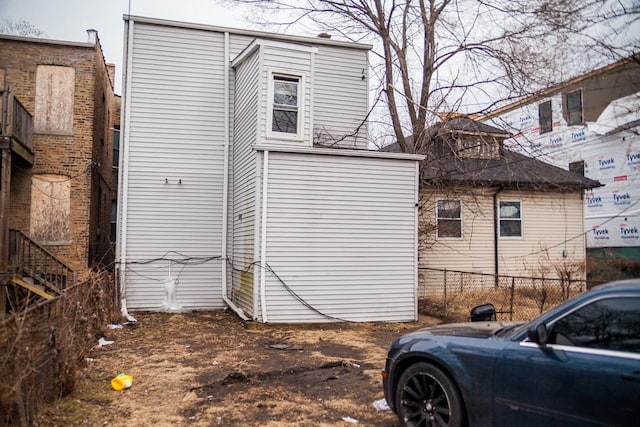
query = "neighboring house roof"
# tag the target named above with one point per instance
(556, 88)
(443, 166)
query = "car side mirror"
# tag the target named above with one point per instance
(539, 334)
(481, 313)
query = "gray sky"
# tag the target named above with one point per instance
(69, 19)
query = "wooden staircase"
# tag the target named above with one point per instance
(36, 289)
(35, 269)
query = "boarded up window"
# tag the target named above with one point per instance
(50, 206)
(54, 99)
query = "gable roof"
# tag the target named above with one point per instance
(510, 170)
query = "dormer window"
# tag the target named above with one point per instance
(285, 112)
(483, 148)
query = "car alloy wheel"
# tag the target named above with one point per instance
(427, 397)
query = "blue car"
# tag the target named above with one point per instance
(576, 365)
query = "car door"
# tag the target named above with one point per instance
(587, 374)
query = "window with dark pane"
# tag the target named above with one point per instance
(544, 117)
(577, 167)
(285, 104)
(510, 213)
(449, 218)
(574, 107)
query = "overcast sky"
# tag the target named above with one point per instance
(69, 19)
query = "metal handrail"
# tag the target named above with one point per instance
(32, 260)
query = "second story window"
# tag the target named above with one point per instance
(544, 117)
(55, 87)
(285, 111)
(574, 107)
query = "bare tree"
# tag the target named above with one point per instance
(439, 56)
(21, 28)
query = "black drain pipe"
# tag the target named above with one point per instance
(496, 228)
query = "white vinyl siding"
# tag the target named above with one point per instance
(338, 226)
(551, 223)
(292, 62)
(175, 166)
(340, 97)
(244, 181)
(549, 220)
(341, 235)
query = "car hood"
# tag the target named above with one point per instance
(469, 329)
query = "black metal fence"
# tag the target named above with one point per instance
(451, 294)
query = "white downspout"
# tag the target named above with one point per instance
(123, 177)
(225, 185)
(263, 243)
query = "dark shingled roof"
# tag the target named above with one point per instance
(510, 170)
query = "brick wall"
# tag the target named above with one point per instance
(75, 156)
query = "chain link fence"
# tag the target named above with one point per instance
(451, 294)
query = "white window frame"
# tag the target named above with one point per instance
(438, 237)
(521, 236)
(298, 136)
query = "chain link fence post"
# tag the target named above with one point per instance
(513, 286)
(445, 292)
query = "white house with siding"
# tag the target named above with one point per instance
(245, 180)
(487, 210)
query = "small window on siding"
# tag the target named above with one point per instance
(50, 207)
(574, 107)
(544, 117)
(286, 106)
(577, 167)
(510, 213)
(449, 218)
(54, 99)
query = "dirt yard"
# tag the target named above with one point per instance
(208, 368)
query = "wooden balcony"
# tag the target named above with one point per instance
(16, 126)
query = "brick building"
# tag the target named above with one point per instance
(61, 198)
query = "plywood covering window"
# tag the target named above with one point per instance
(50, 207)
(286, 106)
(544, 117)
(449, 219)
(54, 99)
(510, 218)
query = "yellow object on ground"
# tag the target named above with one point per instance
(121, 382)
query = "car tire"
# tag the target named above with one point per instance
(426, 396)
